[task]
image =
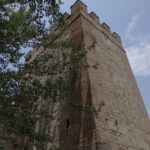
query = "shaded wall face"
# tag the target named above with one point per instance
(77, 125)
(77, 128)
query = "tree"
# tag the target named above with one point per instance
(22, 24)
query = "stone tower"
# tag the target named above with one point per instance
(119, 120)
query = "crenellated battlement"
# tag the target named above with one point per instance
(117, 37)
(80, 8)
(106, 27)
(95, 17)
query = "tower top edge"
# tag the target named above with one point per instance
(78, 2)
(80, 7)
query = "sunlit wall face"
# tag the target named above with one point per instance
(131, 20)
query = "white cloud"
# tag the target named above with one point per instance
(139, 50)
(139, 57)
(131, 27)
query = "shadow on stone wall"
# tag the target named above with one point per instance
(77, 126)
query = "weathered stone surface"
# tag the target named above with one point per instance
(117, 119)
(108, 85)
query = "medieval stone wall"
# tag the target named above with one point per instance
(106, 111)
(120, 121)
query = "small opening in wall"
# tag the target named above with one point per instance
(26, 148)
(67, 126)
(106, 119)
(15, 145)
(97, 145)
(116, 122)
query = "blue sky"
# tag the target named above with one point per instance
(130, 18)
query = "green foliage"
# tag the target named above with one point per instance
(21, 24)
